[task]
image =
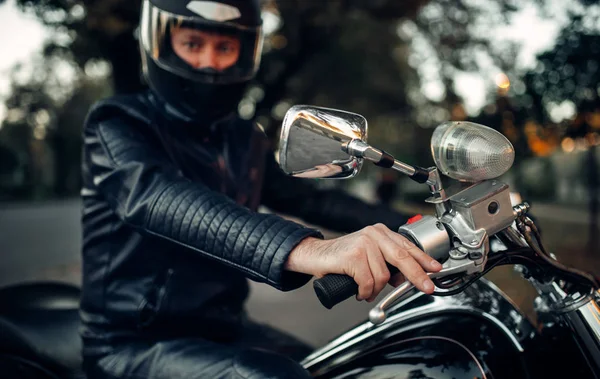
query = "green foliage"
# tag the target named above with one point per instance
(371, 57)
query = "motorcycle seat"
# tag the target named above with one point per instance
(39, 322)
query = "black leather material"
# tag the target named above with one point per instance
(257, 352)
(40, 322)
(333, 209)
(170, 229)
(169, 232)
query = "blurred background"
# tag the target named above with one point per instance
(528, 68)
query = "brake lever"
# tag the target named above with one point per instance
(466, 266)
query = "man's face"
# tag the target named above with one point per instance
(202, 49)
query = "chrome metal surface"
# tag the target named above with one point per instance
(555, 300)
(463, 233)
(590, 313)
(482, 299)
(360, 149)
(459, 253)
(521, 209)
(378, 314)
(434, 180)
(477, 212)
(311, 142)
(430, 236)
(512, 235)
(439, 195)
(474, 203)
(403, 168)
(584, 323)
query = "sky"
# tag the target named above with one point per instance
(535, 33)
(23, 36)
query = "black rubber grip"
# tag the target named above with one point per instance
(332, 289)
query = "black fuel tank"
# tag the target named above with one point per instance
(416, 358)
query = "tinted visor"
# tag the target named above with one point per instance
(199, 49)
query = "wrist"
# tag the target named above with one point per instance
(299, 258)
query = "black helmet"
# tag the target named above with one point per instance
(195, 90)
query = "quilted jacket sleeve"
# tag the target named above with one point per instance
(332, 209)
(133, 173)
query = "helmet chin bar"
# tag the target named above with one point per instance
(204, 103)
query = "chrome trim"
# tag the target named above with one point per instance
(378, 314)
(361, 149)
(584, 324)
(403, 168)
(521, 209)
(590, 313)
(439, 305)
(570, 302)
(283, 142)
(430, 236)
(366, 332)
(330, 127)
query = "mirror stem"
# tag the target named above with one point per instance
(360, 149)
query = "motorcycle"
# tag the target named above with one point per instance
(467, 329)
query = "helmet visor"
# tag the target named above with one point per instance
(199, 49)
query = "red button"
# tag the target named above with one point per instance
(414, 219)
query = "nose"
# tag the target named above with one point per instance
(207, 58)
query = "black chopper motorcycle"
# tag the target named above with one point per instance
(467, 329)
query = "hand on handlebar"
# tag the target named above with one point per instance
(363, 255)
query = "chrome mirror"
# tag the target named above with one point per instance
(311, 142)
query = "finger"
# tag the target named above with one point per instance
(397, 279)
(361, 273)
(423, 258)
(400, 257)
(379, 270)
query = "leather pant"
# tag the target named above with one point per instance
(257, 351)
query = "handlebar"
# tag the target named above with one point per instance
(332, 289)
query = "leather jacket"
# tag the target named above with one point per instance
(170, 228)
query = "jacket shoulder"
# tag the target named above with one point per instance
(122, 125)
(133, 107)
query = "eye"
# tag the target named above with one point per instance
(226, 47)
(191, 45)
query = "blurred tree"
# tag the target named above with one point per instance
(565, 88)
(90, 33)
(565, 82)
(394, 62)
(45, 112)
